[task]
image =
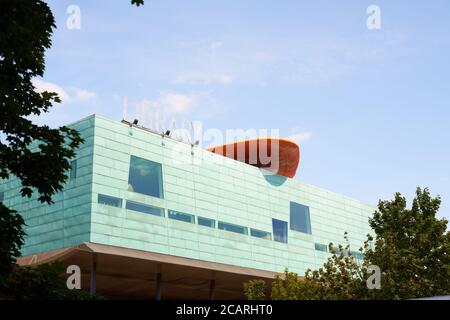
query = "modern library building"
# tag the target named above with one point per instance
(145, 216)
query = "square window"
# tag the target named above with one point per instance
(145, 177)
(299, 218)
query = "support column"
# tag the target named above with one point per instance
(212, 288)
(93, 288)
(158, 286)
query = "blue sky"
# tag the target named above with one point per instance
(370, 108)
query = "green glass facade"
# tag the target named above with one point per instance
(136, 189)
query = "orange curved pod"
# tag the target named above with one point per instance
(280, 156)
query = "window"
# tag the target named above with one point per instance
(73, 170)
(2, 196)
(145, 177)
(320, 247)
(358, 255)
(206, 222)
(232, 227)
(131, 205)
(280, 230)
(181, 216)
(109, 201)
(337, 251)
(300, 220)
(260, 234)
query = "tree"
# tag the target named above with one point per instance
(255, 289)
(11, 239)
(411, 248)
(43, 282)
(25, 30)
(37, 155)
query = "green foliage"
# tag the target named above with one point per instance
(412, 249)
(340, 278)
(11, 239)
(137, 2)
(43, 282)
(25, 30)
(255, 289)
(37, 155)
(287, 287)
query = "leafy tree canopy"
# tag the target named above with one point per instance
(411, 248)
(39, 156)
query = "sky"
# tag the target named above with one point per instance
(369, 107)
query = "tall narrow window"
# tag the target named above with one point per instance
(300, 220)
(73, 169)
(2, 196)
(145, 177)
(280, 230)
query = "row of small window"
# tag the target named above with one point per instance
(324, 248)
(181, 216)
(145, 177)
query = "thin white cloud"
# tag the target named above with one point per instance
(301, 137)
(173, 102)
(84, 95)
(171, 105)
(301, 58)
(298, 136)
(76, 94)
(203, 79)
(167, 104)
(42, 86)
